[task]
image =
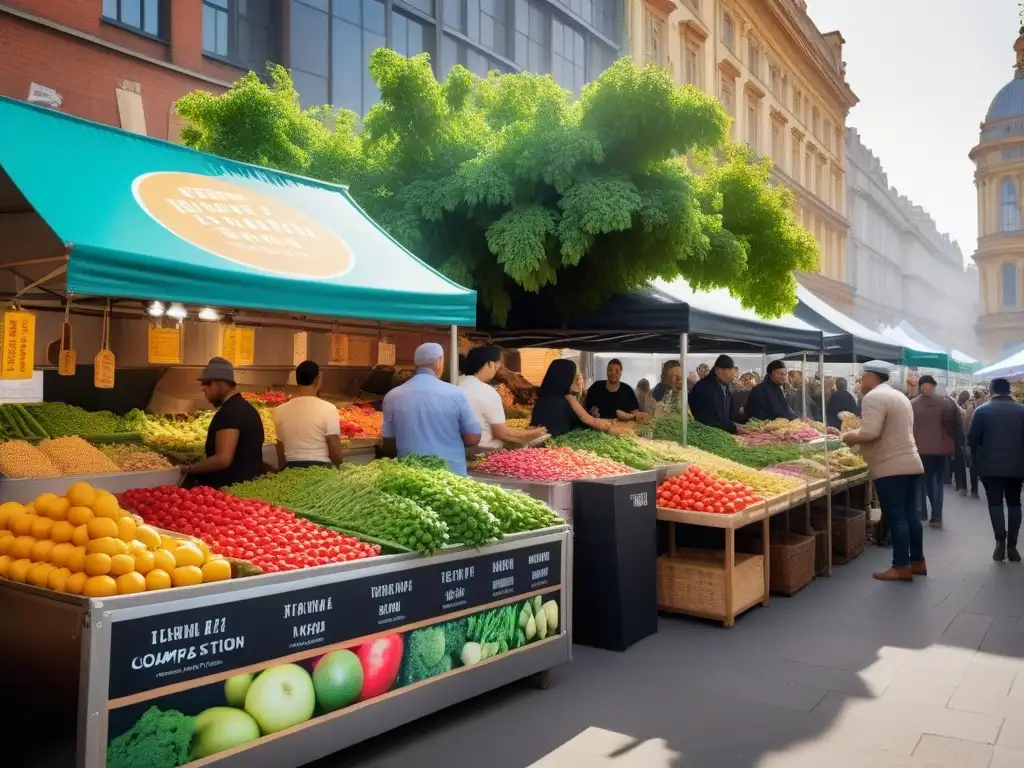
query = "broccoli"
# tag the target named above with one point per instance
(159, 739)
(425, 656)
(455, 636)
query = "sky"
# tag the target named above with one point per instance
(925, 72)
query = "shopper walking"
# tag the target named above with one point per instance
(959, 467)
(997, 432)
(937, 428)
(972, 453)
(886, 441)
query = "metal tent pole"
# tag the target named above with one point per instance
(764, 360)
(803, 385)
(684, 344)
(828, 468)
(453, 357)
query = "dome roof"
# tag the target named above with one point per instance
(1008, 103)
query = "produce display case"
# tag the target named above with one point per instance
(24, 490)
(558, 496)
(111, 660)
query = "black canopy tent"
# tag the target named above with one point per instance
(846, 339)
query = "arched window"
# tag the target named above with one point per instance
(1009, 280)
(1011, 207)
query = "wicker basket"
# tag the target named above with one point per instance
(693, 582)
(849, 531)
(792, 562)
(820, 552)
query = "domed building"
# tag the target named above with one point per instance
(999, 178)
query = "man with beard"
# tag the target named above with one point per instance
(234, 439)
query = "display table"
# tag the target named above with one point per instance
(113, 659)
(25, 490)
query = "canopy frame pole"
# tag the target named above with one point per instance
(44, 279)
(803, 385)
(764, 362)
(828, 464)
(453, 357)
(684, 348)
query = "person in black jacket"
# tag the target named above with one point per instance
(842, 400)
(996, 437)
(767, 400)
(710, 402)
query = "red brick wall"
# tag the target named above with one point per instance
(86, 74)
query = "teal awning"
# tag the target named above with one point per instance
(147, 219)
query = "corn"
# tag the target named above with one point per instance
(74, 456)
(19, 459)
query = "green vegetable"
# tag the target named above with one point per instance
(721, 443)
(160, 739)
(62, 420)
(531, 629)
(471, 654)
(551, 610)
(425, 656)
(615, 447)
(455, 636)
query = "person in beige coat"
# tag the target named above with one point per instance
(886, 441)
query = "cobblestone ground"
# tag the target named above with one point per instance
(849, 673)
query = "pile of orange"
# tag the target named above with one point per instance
(85, 544)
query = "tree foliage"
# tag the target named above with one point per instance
(507, 179)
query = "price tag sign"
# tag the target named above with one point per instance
(67, 362)
(239, 345)
(300, 347)
(339, 349)
(164, 346)
(385, 353)
(103, 369)
(19, 345)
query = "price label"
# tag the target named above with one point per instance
(300, 347)
(164, 346)
(351, 350)
(67, 362)
(103, 369)
(385, 353)
(19, 345)
(239, 345)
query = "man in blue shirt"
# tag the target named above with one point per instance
(428, 416)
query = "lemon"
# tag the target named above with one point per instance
(21, 547)
(62, 531)
(216, 570)
(188, 554)
(164, 560)
(61, 553)
(102, 527)
(148, 536)
(41, 527)
(58, 579)
(121, 564)
(80, 537)
(7, 510)
(156, 579)
(5, 563)
(75, 582)
(38, 574)
(186, 576)
(108, 545)
(97, 564)
(41, 551)
(20, 523)
(81, 494)
(126, 528)
(76, 560)
(43, 503)
(18, 570)
(99, 586)
(144, 562)
(131, 583)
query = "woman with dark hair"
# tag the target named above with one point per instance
(556, 409)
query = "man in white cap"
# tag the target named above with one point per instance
(428, 416)
(886, 440)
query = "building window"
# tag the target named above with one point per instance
(692, 57)
(568, 57)
(410, 37)
(778, 147)
(816, 123)
(796, 160)
(819, 187)
(1009, 280)
(486, 24)
(609, 20)
(244, 31)
(728, 99)
(728, 32)
(839, 141)
(754, 58)
(827, 136)
(655, 49)
(837, 195)
(145, 16)
(455, 52)
(775, 81)
(1011, 207)
(753, 125)
(808, 169)
(532, 29)
(798, 104)
(357, 29)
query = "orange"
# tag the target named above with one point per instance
(41, 527)
(61, 553)
(106, 506)
(21, 547)
(164, 560)
(7, 510)
(41, 551)
(121, 564)
(5, 563)
(43, 502)
(148, 536)
(216, 570)
(81, 495)
(75, 582)
(102, 527)
(131, 583)
(18, 570)
(188, 554)
(58, 579)
(6, 537)
(38, 574)
(30, 509)
(186, 576)
(99, 586)
(126, 528)
(79, 515)
(62, 530)
(97, 564)
(81, 536)
(157, 579)
(144, 562)
(20, 523)
(76, 560)
(166, 542)
(108, 545)
(58, 509)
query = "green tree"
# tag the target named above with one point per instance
(507, 179)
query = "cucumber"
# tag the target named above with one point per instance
(7, 413)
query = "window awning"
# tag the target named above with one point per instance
(146, 219)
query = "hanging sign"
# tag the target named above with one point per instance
(239, 345)
(351, 350)
(103, 369)
(300, 347)
(67, 363)
(67, 360)
(164, 345)
(385, 353)
(19, 345)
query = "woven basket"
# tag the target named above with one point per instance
(792, 561)
(693, 582)
(849, 531)
(820, 552)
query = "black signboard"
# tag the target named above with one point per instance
(159, 650)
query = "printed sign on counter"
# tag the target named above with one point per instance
(22, 390)
(164, 345)
(19, 345)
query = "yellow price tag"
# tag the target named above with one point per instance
(103, 369)
(164, 346)
(19, 345)
(67, 362)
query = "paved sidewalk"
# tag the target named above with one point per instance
(849, 673)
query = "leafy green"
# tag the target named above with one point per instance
(721, 443)
(426, 656)
(159, 739)
(615, 447)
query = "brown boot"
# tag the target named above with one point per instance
(896, 573)
(920, 568)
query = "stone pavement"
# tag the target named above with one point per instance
(848, 673)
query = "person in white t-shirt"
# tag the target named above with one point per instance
(308, 428)
(480, 367)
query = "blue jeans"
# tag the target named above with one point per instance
(932, 490)
(898, 498)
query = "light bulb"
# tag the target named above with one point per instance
(155, 309)
(208, 314)
(177, 311)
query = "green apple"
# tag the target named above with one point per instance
(220, 728)
(235, 689)
(281, 697)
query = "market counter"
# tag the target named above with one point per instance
(178, 649)
(25, 490)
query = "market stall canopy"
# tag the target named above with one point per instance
(847, 339)
(146, 219)
(922, 354)
(965, 362)
(650, 320)
(1008, 367)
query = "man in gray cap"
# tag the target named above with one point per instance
(234, 439)
(428, 416)
(886, 440)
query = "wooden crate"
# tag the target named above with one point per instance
(792, 562)
(693, 582)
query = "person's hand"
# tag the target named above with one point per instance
(184, 473)
(845, 437)
(643, 417)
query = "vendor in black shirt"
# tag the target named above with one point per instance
(611, 399)
(556, 408)
(234, 440)
(710, 401)
(767, 400)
